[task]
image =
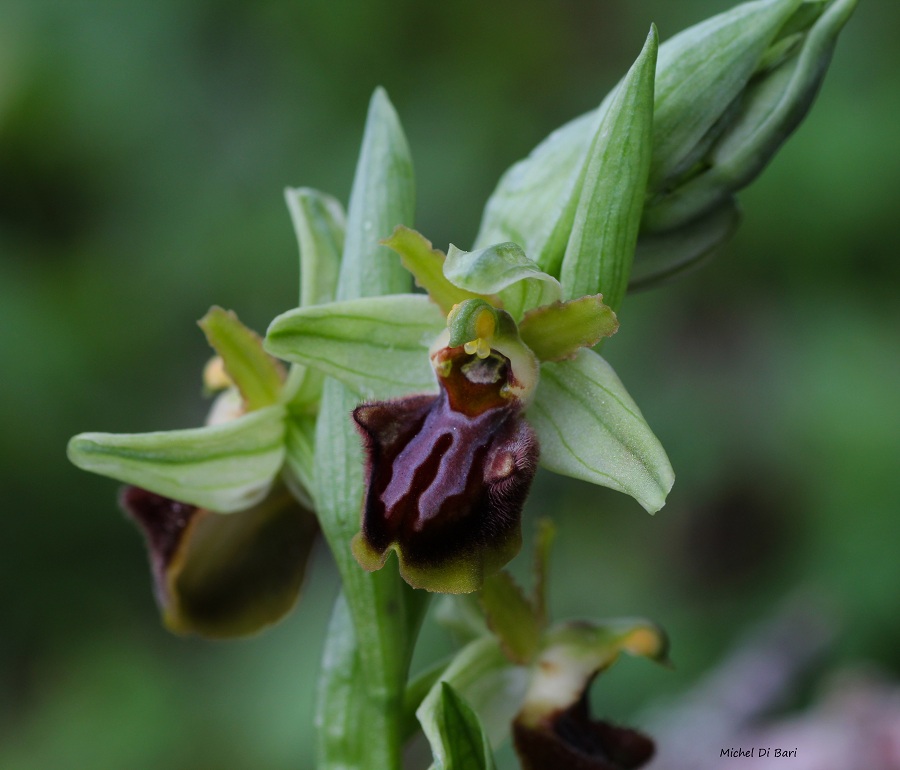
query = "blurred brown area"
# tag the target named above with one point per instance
(143, 151)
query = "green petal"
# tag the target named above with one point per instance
(611, 197)
(591, 429)
(502, 269)
(319, 225)
(383, 196)
(376, 345)
(257, 375)
(492, 686)
(558, 331)
(427, 267)
(225, 467)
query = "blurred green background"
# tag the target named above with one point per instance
(143, 152)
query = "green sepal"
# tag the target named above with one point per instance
(611, 192)
(225, 467)
(458, 740)
(427, 267)
(257, 375)
(319, 224)
(512, 617)
(666, 255)
(504, 270)
(591, 429)
(378, 346)
(492, 686)
(558, 331)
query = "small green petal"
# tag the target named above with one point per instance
(502, 269)
(591, 429)
(558, 331)
(427, 266)
(376, 345)
(256, 374)
(224, 468)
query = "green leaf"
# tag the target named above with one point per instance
(225, 467)
(558, 331)
(383, 196)
(341, 727)
(591, 429)
(319, 224)
(376, 345)
(258, 376)
(665, 255)
(490, 684)
(427, 267)
(457, 738)
(502, 269)
(611, 198)
(511, 616)
(700, 73)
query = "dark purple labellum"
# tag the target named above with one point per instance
(571, 739)
(222, 575)
(447, 476)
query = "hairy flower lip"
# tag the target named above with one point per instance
(447, 475)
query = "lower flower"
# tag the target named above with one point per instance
(224, 575)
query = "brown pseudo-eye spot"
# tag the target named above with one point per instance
(447, 475)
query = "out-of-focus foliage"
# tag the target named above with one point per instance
(143, 153)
